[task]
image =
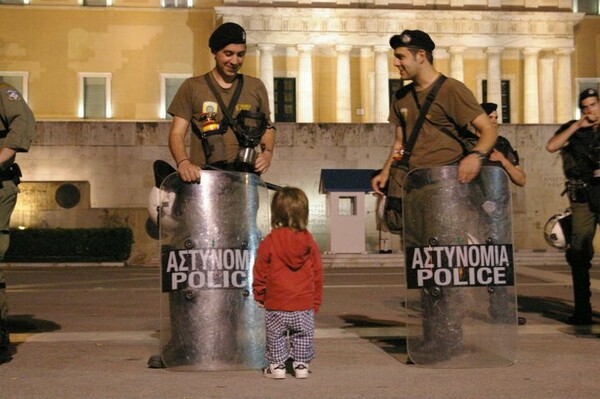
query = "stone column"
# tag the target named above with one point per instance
(531, 100)
(564, 86)
(366, 86)
(265, 52)
(457, 68)
(305, 84)
(494, 78)
(382, 97)
(547, 90)
(343, 93)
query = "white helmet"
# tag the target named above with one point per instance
(557, 230)
(162, 201)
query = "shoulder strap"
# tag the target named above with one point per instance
(422, 112)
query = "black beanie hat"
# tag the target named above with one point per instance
(413, 38)
(226, 34)
(587, 93)
(489, 107)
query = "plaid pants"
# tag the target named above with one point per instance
(300, 326)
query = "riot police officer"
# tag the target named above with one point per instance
(17, 130)
(579, 145)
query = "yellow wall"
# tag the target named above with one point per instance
(54, 45)
(587, 48)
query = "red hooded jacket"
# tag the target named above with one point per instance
(288, 271)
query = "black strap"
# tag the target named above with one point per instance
(448, 133)
(227, 111)
(422, 112)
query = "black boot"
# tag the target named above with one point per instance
(582, 314)
(5, 352)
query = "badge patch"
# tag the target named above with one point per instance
(209, 107)
(13, 95)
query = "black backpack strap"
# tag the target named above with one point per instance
(422, 112)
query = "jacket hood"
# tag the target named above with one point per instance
(293, 247)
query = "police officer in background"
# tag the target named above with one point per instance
(579, 145)
(503, 154)
(17, 130)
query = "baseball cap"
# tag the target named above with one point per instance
(226, 34)
(413, 38)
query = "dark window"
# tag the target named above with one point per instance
(14, 81)
(94, 95)
(94, 3)
(175, 4)
(285, 99)
(590, 7)
(171, 87)
(505, 94)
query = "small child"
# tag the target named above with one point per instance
(288, 283)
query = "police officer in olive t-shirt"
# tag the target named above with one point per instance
(17, 130)
(196, 97)
(438, 143)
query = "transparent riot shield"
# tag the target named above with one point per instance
(209, 234)
(461, 297)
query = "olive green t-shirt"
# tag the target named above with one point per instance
(453, 108)
(17, 123)
(194, 96)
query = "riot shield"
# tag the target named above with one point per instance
(461, 297)
(209, 234)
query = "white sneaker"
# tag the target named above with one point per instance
(276, 371)
(300, 370)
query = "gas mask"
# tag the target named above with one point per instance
(249, 128)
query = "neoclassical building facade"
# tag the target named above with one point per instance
(531, 51)
(328, 67)
(323, 61)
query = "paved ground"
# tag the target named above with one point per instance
(87, 332)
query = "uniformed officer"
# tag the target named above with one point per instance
(579, 145)
(17, 130)
(453, 107)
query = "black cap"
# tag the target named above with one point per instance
(587, 93)
(489, 107)
(413, 38)
(226, 34)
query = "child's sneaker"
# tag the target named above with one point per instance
(276, 371)
(300, 370)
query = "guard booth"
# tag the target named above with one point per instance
(345, 190)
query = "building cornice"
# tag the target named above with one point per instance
(369, 27)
